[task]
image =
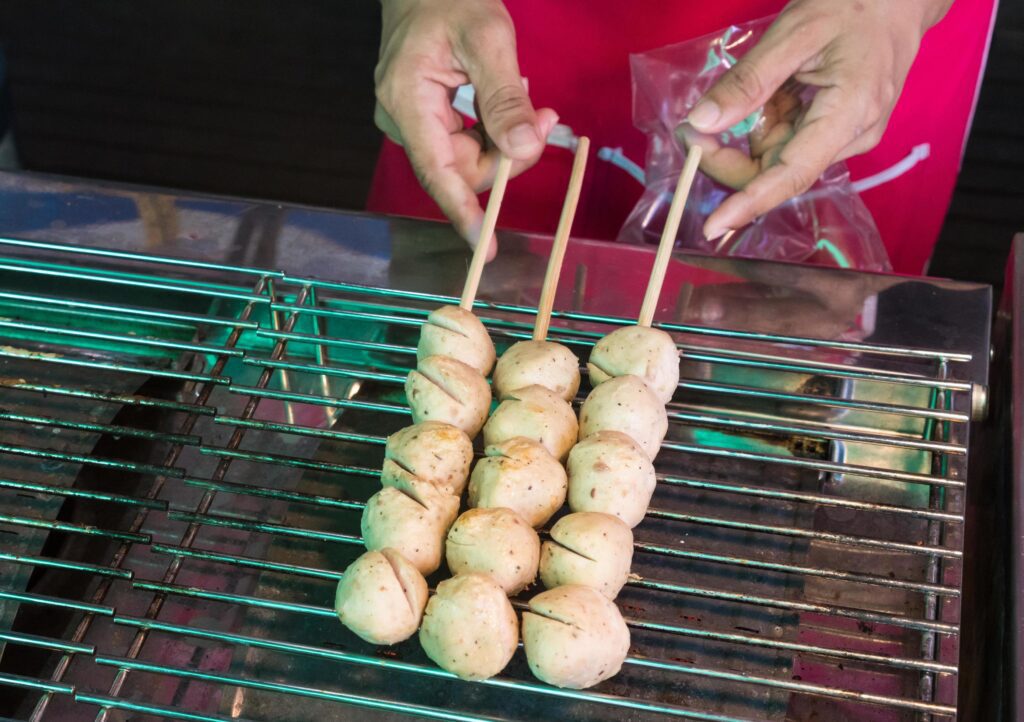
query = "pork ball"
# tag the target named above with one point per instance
(469, 627)
(534, 413)
(627, 405)
(496, 542)
(395, 519)
(649, 353)
(574, 637)
(443, 389)
(519, 474)
(455, 332)
(537, 363)
(381, 597)
(589, 548)
(437, 453)
(610, 473)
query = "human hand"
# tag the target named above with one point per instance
(428, 49)
(857, 53)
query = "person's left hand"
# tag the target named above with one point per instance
(856, 52)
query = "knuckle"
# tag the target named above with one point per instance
(488, 32)
(504, 100)
(745, 81)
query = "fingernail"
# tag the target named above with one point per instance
(715, 233)
(523, 137)
(704, 115)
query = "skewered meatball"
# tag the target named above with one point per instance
(381, 597)
(395, 519)
(521, 475)
(610, 473)
(437, 453)
(446, 390)
(649, 353)
(537, 363)
(588, 548)
(574, 637)
(455, 332)
(627, 405)
(497, 542)
(469, 627)
(534, 413)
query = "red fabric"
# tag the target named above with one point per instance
(576, 59)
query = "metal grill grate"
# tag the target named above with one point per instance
(195, 442)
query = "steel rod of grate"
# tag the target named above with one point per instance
(815, 465)
(294, 689)
(64, 565)
(171, 458)
(571, 336)
(182, 346)
(113, 430)
(133, 280)
(71, 528)
(16, 680)
(663, 665)
(104, 496)
(130, 256)
(753, 599)
(57, 602)
(107, 397)
(816, 650)
(188, 537)
(7, 352)
(89, 460)
(884, 349)
(102, 700)
(726, 389)
(34, 640)
(160, 316)
(727, 487)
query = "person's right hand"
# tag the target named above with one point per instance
(428, 49)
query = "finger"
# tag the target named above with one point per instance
(423, 122)
(728, 166)
(824, 133)
(480, 168)
(489, 57)
(386, 124)
(785, 47)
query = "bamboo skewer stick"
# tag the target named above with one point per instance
(668, 237)
(554, 270)
(476, 266)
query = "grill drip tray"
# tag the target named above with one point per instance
(185, 450)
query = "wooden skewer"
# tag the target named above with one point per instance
(668, 237)
(572, 199)
(483, 243)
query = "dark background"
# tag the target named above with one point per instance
(274, 100)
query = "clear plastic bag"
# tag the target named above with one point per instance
(827, 225)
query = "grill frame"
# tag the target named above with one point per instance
(267, 287)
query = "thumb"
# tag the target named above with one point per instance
(751, 82)
(509, 117)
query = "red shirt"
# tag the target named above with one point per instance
(575, 54)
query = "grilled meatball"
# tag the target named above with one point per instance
(521, 475)
(649, 353)
(534, 413)
(381, 597)
(537, 363)
(609, 472)
(443, 389)
(574, 637)
(496, 542)
(469, 627)
(434, 452)
(395, 519)
(627, 405)
(589, 548)
(453, 331)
